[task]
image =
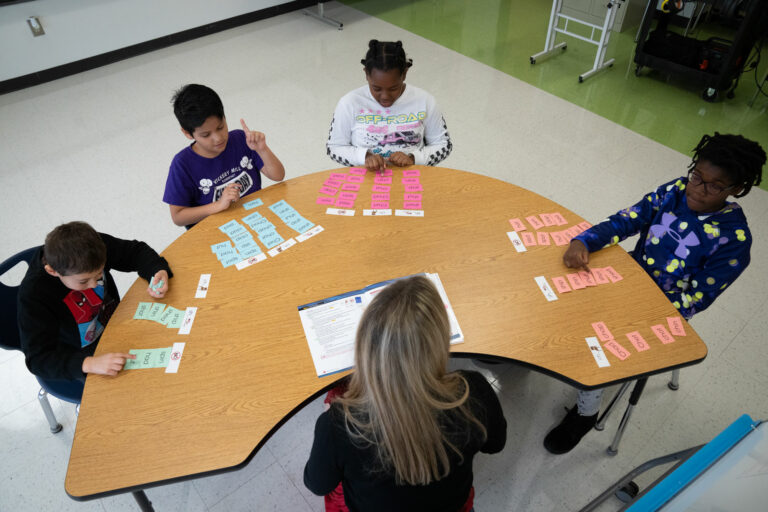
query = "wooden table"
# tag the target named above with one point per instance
(246, 366)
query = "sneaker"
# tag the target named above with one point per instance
(564, 437)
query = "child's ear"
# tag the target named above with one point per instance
(187, 134)
(50, 270)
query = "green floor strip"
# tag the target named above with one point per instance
(504, 33)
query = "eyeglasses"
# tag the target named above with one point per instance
(694, 178)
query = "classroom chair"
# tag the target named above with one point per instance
(9, 339)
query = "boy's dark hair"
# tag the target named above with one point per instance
(741, 158)
(383, 55)
(74, 248)
(193, 104)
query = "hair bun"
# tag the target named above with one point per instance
(373, 43)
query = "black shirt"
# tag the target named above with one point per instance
(335, 458)
(50, 336)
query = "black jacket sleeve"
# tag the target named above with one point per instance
(322, 473)
(133, 256)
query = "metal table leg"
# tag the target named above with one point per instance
(637, 391)
(320, 14)
(144, 504)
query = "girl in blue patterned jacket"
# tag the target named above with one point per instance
(693, 243)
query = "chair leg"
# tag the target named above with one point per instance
(42, 397)
(674, 381)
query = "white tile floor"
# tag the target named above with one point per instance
(96, 147)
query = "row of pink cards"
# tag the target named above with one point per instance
(347, 186)
(676, 328)
(583, 279)
(539, 221)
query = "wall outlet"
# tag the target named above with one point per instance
(35, 26)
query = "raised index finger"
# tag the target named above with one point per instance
(245, 127)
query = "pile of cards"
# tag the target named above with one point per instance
(345, 185)
(266, 231)
(245, 245)
(583, 279)
(675, 324)
(167, 316)
(290, 217)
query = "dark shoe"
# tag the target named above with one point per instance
(564, 437)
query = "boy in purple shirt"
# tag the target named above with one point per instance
(220, 166)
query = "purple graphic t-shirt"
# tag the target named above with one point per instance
(195, 180)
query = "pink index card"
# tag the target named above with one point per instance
(411, 172)
(529, 238)
(324, 200)
(542, 237)
(380, 205)
(517, 224)
(599, 275)
(534, 221)
(337, 176)
(354, 187)
(676, 325)
(356, 179)
(412, 205)
(637, 341)
(572, 232)
(332, 183)
(612, 274)
(411, 197)
(387, 172)
(345, 203)
(561, 284)
(602, 331)
(380, 197)
(357, 170)
(410, 181)
(559, 238)
(383, 180)
(662, 333)
(380, 188)
(559, 219)
(614, 348)
(576, 282)
(413, 188)
(328, 190)
(349, 196)
(584, 225)
(547, 219)
(587, 278)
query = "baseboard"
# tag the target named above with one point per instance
(71, 68)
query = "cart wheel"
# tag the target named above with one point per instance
(730, 94)
(637, 70)
(581, 79)
(628, 492)
(709, 95)
(533, 61)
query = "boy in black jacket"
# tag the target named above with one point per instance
(68, 295)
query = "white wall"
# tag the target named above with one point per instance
(77, 29)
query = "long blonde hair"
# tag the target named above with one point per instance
(400, 386)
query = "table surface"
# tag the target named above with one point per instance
(246, 366)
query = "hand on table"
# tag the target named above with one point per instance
(374, 162)
(161, 277)
(576, 256)
(257, 141)
(106, 364)
(400, 159)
